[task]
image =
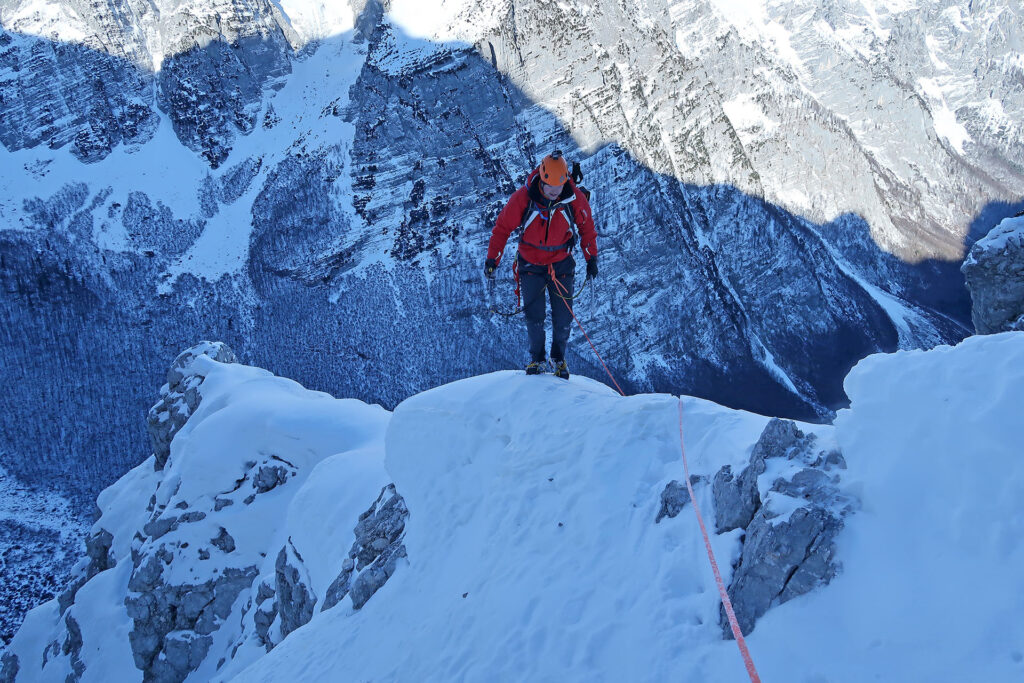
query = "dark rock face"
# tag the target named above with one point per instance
(98, 559)
(994, 269)
(737, 499)
(782, 560)
(213, 93)
(789, 533)
(264, 615)
(57, 94)
(283, 601)
(269, 478)
(374, 556)
(72, 647)
(224, 542)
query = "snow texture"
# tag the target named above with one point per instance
(533, 550)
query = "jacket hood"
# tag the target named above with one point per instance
(535, 195)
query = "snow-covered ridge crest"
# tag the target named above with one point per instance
(546, 536)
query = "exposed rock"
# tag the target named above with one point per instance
(99, 558)
(834, 459)
(340, 586)
(788, 544)
(183, 653)
(172, 623)
(295, 600)
(674, 498)
(270, 477)
(375, 554)
(224, 541)
(73, 649)
(737, 498)
(180, 397)
(160, 526)
(780, 561)
(994, 270)
(266, 612)
(370, 580)
(59, 93)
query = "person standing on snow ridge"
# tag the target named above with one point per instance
(550, 209)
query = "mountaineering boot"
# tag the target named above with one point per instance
(561, 369)
(536, 367)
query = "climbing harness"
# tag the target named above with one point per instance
(520, 306)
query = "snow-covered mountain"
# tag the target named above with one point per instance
(526, 528)
(177, 169)
(780, 190)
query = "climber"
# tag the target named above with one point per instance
(553, 214)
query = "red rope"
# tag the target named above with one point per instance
(726, 602)
(733, 624)
(551, 271)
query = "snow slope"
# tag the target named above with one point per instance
(533, 553)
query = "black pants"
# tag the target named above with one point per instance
(533, 281)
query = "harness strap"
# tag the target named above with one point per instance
(570, 218)
(567, 245)
(515, 275)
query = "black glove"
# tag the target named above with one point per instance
(489, 267)
(577, 173)
(592, 267)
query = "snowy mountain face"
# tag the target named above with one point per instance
(780, 190)
(513, 527)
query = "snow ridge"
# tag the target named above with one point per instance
(543, 535)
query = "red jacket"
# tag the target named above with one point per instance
(547, 224)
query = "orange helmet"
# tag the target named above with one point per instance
(554, 170)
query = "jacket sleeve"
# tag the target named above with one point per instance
(508, 220)
(585, 223)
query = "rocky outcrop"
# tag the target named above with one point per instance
(174, 623)
(994, 270)
(789, 529)
(375, 554)
(180, 397)
(195, 536)
(284, 600)
(675, 497)
(72, 648)
(295, 600)
(98, 558)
